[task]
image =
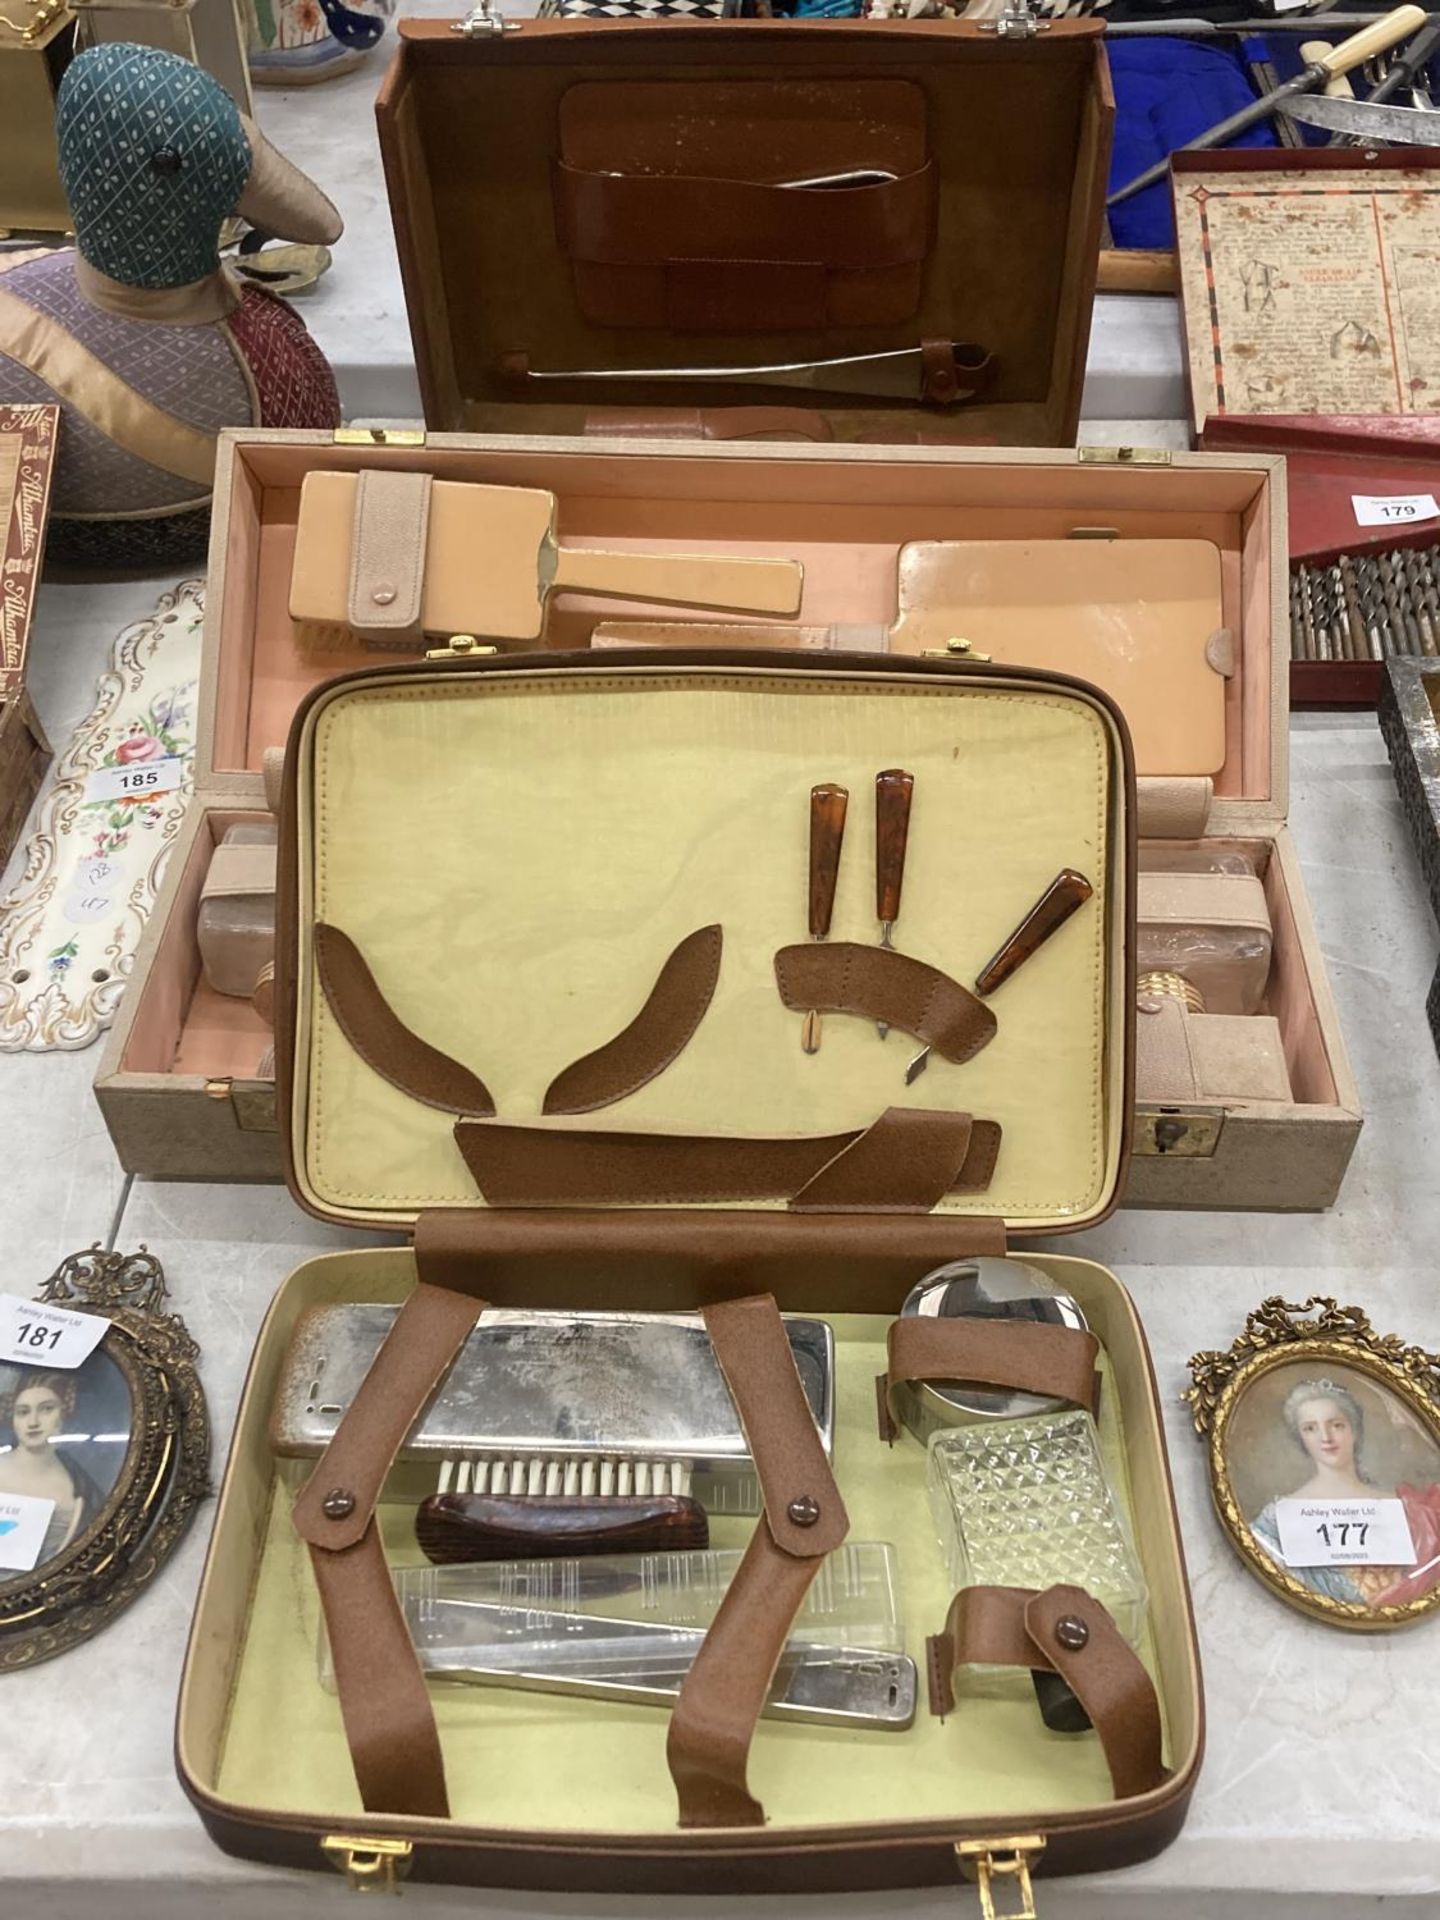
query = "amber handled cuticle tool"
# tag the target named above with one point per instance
(893, 791)
(1066, 893)
(828, 804)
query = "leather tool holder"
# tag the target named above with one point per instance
(552, 1048)
(585, 200)
(679, 203)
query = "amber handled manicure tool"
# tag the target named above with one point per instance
(827, 835)
(893, 791)
(1066, 893)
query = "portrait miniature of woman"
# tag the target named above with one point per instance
(33, 1414)
(1327, 1424)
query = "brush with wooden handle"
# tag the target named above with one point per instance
(893, 791)
(487, 560)
(827, 836)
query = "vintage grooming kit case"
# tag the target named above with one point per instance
(706, 900)
(1245, 1097)
(708, 1564)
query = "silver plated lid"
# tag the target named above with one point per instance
(985, 1288)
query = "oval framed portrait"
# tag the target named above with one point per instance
(101, 1465)
(1325, 1462)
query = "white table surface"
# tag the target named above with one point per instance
(1321, 1789)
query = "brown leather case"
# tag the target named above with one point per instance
(610, 194)
(381, 1114)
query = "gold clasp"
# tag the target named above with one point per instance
(460, 646)
(985, 1861)
(369, 1865)
(956, 650)
(378, 437)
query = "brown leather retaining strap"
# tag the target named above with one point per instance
(804, 1519)
(382, 1039)
(876, 983)
(658, 1034)
(946, 379)
(1023, 1354)
(1067, 1631)
(389, 1723)
(905, 1163)
(654, 219)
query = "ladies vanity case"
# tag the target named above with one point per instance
(460, 1054)
(180, 1080)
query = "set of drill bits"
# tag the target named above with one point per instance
(1367, 606)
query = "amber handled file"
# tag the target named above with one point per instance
(828, 804)
(893, 792)
(1067, 892)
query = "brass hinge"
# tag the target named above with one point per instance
(1184, 1133)
(253, 1102)
(379, 437)
(1124, 456)
(460, 646)
(1015, 22)
(986, 1861)
(369, 1865)
(955, 650)
(481, 23)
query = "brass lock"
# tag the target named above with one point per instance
(1182, 1133)
(369, 1865)
(986, 1861)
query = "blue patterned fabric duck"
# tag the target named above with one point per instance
(149, 344)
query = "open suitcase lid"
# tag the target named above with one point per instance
(529, 964)
(500, 148)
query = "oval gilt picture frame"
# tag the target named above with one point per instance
(1324, 1440)
(122, 1442)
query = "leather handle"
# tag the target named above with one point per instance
(804, 1518)
(1063, 1630)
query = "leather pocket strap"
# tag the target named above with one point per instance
(381, 1038)
(387, 556)
(1067, 1631)
(658, 1034)
(906, 1162)
(876, 983)
(804, 1518)
(658, 219)
(1025, 1355)
(389, 1723)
